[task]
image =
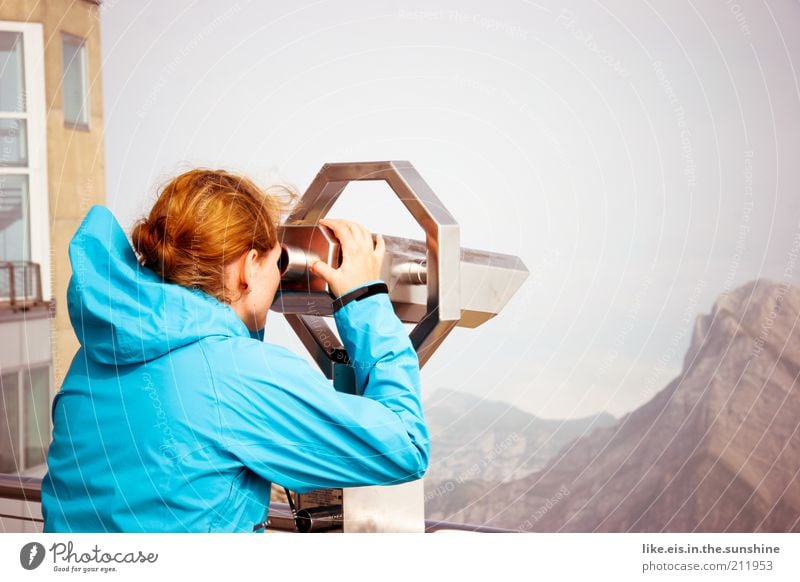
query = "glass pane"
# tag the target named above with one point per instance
(12, 68)
(13, 142)
(14, 231)
(9, 422)
(74, 82)
(37, 415)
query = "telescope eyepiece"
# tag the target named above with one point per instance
(283, 260)
(295, 263)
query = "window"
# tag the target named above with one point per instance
(36, 391)
(24, 418)
(13, 150)
(12, 76)
(14, 235)
(9, 422)
(24, 214)
(76, 102)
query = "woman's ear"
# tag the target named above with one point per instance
(249, 267)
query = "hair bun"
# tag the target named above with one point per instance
(153, 243)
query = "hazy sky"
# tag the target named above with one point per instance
(640, 157)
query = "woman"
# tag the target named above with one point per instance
(175, 415)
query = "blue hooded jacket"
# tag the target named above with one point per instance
(174, 417)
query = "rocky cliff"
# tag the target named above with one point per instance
(718, 449)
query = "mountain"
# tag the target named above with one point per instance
(473, 438)
(718, 449)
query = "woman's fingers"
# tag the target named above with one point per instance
(352, 236)
(342, 231)
(361, 235)
(380, 248)
(361, 257)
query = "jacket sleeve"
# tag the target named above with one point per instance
(283, 419)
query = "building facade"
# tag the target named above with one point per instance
(51, 172)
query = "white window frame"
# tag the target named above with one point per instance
(36, 121)
(84, 56)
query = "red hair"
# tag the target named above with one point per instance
(202, 221)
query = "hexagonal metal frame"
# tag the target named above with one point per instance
(443, 250)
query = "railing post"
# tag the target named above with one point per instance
(38, 272)
(11, 284)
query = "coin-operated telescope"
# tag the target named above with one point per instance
(434, 284)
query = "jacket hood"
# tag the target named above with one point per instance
(124, 313)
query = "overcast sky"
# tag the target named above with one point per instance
(640, 157)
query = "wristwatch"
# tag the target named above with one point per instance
(359, 294)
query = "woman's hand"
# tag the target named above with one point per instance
(361, 260)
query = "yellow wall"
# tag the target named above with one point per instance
(75, 158)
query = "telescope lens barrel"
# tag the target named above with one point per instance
(319, 518)
(411, 272)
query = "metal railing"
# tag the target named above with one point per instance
(20, 283)
(29, 489)
(21, 492)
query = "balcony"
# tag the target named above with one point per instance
(20, 285)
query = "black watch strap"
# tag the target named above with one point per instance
(359, 294)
